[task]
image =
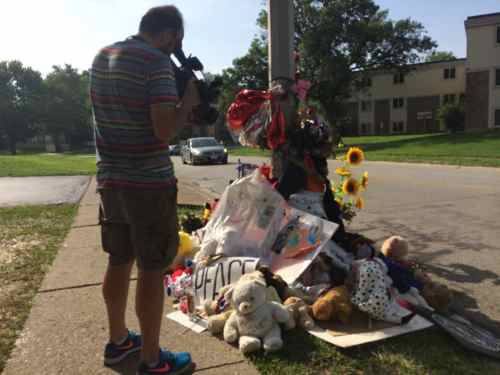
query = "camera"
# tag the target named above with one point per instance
(205, 113)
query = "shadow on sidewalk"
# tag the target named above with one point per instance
(128, 366)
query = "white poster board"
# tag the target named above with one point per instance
(305, 235)
(355, 334)
(207, 281)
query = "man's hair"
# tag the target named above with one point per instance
(160, 19)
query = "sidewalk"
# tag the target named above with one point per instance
(67, 328)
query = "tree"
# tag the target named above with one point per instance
(440, 56)
(453, 116)
(340, 42)
(66, 109)
(20, 94)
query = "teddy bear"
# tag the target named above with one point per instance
(300, 314)
(254, 318)
(335, 304)
(438, 296)
(218, 311)
(395, 248)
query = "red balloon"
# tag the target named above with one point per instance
(246, 104)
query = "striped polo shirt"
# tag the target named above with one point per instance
(125, 79)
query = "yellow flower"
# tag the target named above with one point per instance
(351, 186)
(340, 202)
(355, 156)
(364, 180)
(343, 172)
(360, 203)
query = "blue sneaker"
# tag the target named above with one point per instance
(169, 364)
(114, 354)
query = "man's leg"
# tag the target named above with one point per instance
(115, 292)
(149, 308)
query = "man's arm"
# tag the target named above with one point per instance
(168, 115)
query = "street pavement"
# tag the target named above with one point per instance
(449, 214)
(16, 191)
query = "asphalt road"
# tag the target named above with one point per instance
(15, 191)
(450, 216)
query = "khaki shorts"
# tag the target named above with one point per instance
(139, 225)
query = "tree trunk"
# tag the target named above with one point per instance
(57, 143)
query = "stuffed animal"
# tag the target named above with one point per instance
(438, 296)
(395, 248)
(299, 314)
(254, 318)
(218, 312)
(335, 304)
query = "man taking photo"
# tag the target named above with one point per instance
(137, 111)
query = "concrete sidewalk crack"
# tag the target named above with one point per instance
(220, 366)
(82, 286)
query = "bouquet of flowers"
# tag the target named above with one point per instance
(348, 190)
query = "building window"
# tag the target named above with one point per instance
(398, 127)
(497, 117)
(498, 34)
(450, 73)
(399, 79)
(398, 103)
(498, 77)
(449, 99)
(366, 106)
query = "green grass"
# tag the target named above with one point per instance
(473, 149)
(45, 164)
(29, 240)
(420, 353)
(468, 149)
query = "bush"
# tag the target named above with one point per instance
(453, 116)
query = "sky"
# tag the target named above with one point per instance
(54, 32)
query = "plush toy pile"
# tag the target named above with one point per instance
(348, 274)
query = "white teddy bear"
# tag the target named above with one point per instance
(254, 317)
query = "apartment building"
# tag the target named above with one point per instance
(408, 103)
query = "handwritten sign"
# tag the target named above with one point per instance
(209, 280)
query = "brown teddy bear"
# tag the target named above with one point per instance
(299, 313)
(335, 304)
(438, 296)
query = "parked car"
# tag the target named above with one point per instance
(203, 150)
(175, 149)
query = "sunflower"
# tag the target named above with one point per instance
(364, 180)
(340, 202)
(360, 203)
(355, 156)
(351, 186)
(344, 172)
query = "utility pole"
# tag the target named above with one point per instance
(281, 30)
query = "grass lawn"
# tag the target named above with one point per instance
(45, 164)
(472, 149)
(29, 239)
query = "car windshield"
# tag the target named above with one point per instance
(205, 142)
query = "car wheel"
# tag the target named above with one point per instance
(183, 160)
(225, 160)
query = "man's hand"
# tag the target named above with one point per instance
(191, 97)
